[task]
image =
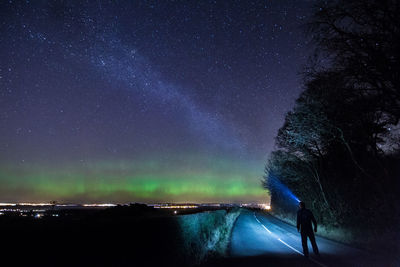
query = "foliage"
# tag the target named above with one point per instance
(339, 147)
(206, 234)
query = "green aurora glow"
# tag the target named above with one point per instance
(130, 181)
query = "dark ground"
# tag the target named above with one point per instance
(129, 236)
(143, 236)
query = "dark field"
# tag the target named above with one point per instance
(122, 236)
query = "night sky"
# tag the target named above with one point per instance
(144, 101)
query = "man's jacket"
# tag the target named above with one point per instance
(304, 219)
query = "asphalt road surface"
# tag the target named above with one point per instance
(259, 239)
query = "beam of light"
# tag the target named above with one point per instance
(277, 185)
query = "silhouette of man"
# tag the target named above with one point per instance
(304, 219)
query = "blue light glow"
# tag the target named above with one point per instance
(276, 184)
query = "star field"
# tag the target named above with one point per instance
(144, 100)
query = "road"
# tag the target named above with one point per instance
(259, 239)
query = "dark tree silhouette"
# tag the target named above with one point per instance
(361, 41)
(339, 147)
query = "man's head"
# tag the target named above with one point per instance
(302, 205)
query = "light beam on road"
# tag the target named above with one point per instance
(286, 244)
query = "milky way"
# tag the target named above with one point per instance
(146, 100)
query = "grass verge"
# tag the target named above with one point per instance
(206, 235)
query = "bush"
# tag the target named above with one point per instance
(206, 235)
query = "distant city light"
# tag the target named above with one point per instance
(174, 206)
(100, 205)
(8, 204)
(33, 204)
(28, 209)
(257, 206)
(266, 206)
(177, 207)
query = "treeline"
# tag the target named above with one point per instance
(338, 149)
